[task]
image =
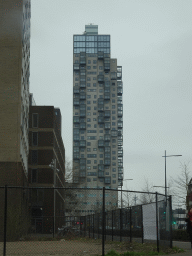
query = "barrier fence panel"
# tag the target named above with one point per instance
(64, 219)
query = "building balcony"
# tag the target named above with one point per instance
(100, 78)
(101, 174)
(119, 72)
(75, 180)
(101, 167)
(82, 126)
(76, 155)
(82, 96)
(120, 113)
(76, 137)
(100, 55)
(114, 133)
(107, 137)
(107, 96)
(120, 164)
(76, 119)
(120, 170)
(107, 113)
(75, 101)
(107, 66)
(82, 173)
(82, 113)
(82, 78)
(100, 119)
(82, 161)
(107, 125)
(76, 89)
(107, 161)
(101, 143)
(82, 61)
(120, 124)
(113, 75)
(76, 67)
(120, 153)
(82, 84)
(107, 180)
(82, 143)
(120, 176)
(108, 150)
(119, 91)
(100, 108)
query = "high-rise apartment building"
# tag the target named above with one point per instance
(14, 102)
(97, 112)
(14, 90)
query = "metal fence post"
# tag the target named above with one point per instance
(130, 225)
(93, 225)
(98, 224)
(157, 228)
(84, 225)
(89, 225)
(103, 224)
(112, 225)
(170, 207)
(120, 215)
(5, 221)
(142, 224)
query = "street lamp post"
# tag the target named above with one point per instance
(53, 167)
(121, 189)
(166, 174)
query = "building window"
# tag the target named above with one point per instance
(94, 84)
(89, 61)
(34, 156)
(94, 102)
(34, 138)
(113, 112)
(114, 169)
(88, 67)
(113, 106)
(113, 101)
(94, 62)
(35, 120)
(95, 161)
(114, 181)
(88, 149)
(88, 180)
(101, 155)
(33, 175)
(88, 143)
(88, 102)
(95, 96)
(106, 173)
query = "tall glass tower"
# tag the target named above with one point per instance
(97, 112)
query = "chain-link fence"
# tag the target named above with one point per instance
(46, 220)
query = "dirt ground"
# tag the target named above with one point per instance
(57, 248)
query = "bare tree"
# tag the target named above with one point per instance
(147, 197)
(180, 184)
(68, 171)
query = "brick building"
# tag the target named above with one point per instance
(45, 146)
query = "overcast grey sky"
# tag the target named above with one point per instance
(152, 40)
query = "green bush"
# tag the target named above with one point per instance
(180, 235)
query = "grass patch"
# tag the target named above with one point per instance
(137, 249)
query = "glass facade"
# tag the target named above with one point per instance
(91, 44)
